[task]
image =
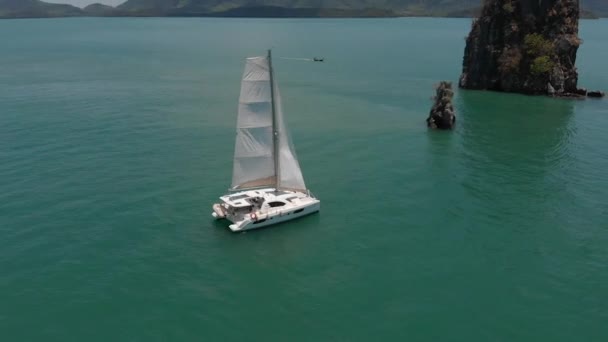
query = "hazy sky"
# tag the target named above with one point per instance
(82, 3)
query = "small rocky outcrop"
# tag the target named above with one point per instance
(442, 114)
(524, 46)
(596, 94)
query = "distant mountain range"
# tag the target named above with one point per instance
(35, 9)
(265, 8)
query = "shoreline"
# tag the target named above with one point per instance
(253, 17)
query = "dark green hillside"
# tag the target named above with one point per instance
(36, 9)
(267, 8)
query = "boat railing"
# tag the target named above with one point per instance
(270, 213)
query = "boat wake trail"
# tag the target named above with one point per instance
(298, 59)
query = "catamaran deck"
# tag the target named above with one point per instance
(244, 198)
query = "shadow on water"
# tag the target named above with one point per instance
(507, 128)
(512, 144)
(441, 158)
(441, 142)
(300, 222)
(290, 240)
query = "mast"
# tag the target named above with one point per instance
(275, 132)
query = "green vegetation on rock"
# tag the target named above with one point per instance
(537, 45)
(541, 65)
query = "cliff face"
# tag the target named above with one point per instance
(523, 46)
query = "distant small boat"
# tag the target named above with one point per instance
(318, 59)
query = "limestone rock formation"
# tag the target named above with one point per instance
(524, 46)
(442, 114)
(596, 94)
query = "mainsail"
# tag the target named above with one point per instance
(262, 134)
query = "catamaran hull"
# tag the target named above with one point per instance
(218, 212)
(273, 218)
(276, 218)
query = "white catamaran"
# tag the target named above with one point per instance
(267, 183)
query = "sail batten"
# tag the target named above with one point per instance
(263, 153)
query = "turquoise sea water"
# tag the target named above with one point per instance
(116, 136)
